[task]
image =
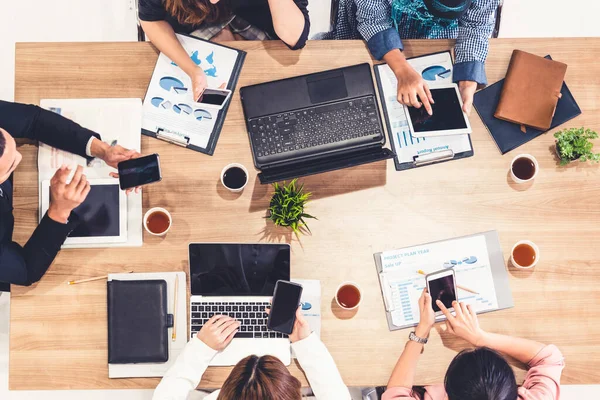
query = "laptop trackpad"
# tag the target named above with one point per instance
(326, 87)
(238, 349)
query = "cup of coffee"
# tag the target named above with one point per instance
(157, 221)
(234, 177)
(523, 168)
(348, 296)
(525, 254)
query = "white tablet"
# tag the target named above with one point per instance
(448, 117)
(103, 214)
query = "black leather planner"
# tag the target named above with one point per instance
(507, 135)
(138, 322)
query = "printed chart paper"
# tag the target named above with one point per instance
(436, 69)
(169, 104)
(404, 285)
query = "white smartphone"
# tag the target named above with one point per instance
(442, 286)
(214, 98)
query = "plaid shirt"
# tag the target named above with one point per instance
(371, 20)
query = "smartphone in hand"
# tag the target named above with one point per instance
(442, 286)
(286, 300)
(214, 98)
(139, 171)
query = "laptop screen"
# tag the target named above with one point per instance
(237, 269)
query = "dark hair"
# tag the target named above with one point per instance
(480, 374)
(195, 12)
(2, 143)
(264, 378)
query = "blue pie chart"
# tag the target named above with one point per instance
(202, 114)
(430, 73)
(169, 82)
(156, 101)
(182, 108)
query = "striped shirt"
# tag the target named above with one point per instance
(372, 21)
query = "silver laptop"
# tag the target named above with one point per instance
(238, 280)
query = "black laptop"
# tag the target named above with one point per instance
(314, 123)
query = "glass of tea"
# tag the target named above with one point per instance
(348, 296)
(525, 254)
(234, 177)
(523, 168)
(157, 221)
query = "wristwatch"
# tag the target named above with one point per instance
(417, 339)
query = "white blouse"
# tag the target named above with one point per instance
(318, 365)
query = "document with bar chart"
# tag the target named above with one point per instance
(435, 69)
(475, 266)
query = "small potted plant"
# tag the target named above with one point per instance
(287, 207)
(574, 144)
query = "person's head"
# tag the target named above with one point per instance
(195, 12)
(9, 156)
(260, 378)
(480, 374)
(448, 9)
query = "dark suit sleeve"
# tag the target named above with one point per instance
(32, 122)
(303, 6)
(26, 265)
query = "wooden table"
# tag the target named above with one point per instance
(58, 334)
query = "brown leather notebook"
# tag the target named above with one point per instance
(531, 90)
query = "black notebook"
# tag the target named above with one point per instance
(138, 322)
(508, 135)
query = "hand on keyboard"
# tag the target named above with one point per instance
(218, 332)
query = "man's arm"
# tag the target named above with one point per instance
(32, 122)
(374, 23)
(474, 30)
(291, 21)
(26, 265)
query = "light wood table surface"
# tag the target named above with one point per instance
(58, 337)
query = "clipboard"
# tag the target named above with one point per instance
(401, 136)
(498, 269)
(170, 135)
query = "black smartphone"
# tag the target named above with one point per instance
(286, 300)
(139, 171)
(441, 285)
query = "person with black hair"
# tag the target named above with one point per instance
(383, 24)
(481, 373)
(26, 265)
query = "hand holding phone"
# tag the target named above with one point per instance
(286, 300)
(139, 171)
(441, 285)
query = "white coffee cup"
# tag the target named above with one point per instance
(348, 283)
(535, 249)
(150, 212)
(515, 178)
(233, 165)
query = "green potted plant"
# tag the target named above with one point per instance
(287, 207)
(574, 144)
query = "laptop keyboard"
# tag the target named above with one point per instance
(316, 127)
(252, 317)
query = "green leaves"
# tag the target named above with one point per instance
(573, 144)
(287, 206)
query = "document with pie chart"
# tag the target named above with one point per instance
(170, 111)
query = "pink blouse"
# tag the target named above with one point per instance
(542, 381)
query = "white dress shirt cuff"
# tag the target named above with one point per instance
(88, 147)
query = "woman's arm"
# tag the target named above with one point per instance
(466, 325)
(404, 371)
(291, 24)
(162, 35)
(185, 374)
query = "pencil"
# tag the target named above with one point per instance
(97, 278)
(174, 335)
(466, 289)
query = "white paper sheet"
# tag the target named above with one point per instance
(468, 256)
(118, 121)
(436, 69)
(169, 104)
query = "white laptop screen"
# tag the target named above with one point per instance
(218, 269)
